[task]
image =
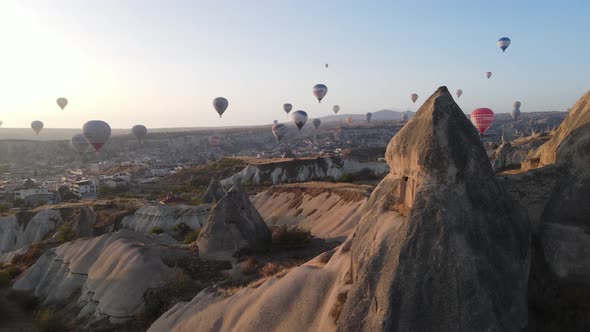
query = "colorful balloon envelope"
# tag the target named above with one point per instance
(279, 130)
(220, 104)
(369, 117)
(316, 123)
(37, 126)
(488, 74)
(79, 143)
(97, 133)
(503, 43)
(62, 102)
(287, 108)
(299, 118)
(459, 93)
(414, 97)
(320, 91)
(336, 109)
(139, 131)
(482, 118)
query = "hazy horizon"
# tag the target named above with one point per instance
(162, 63)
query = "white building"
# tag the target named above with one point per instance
(85, 188)
(34, 195)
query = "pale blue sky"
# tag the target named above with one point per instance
(161, 63)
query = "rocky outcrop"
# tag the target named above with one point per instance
(27, 227)
(329, 210)
(459, 260)
(235, 226)
(560, 274)
(214, 193)
(512, 154)
(110, 272)
(439, 246)
(301, 170)
(166, 217)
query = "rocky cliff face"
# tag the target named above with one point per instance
(214, 193)
(329, 210)
(439, 246)
(459, 259)
(301, 170)
(166, 217)
(234, 226)
(560, 274)
(110, 272)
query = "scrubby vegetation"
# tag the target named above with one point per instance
(192, 236)
(65, 233)
(156, 230)
(290, 238)
(49, 321)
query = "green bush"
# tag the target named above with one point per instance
(65, 233)
(24, 299)
(156, 230)
(4, 208)
(192, 236)
(181, 228)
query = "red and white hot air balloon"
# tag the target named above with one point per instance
(97, 133)
(214, 141)
(482, 118)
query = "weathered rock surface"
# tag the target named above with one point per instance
(301, 170)
(438, 247)
(214, 193)
(511, 155)
(166, 217)
(233, 226)
(560, 273)
(459, 261)
(111, 272)
(27, 227)
(329, 210)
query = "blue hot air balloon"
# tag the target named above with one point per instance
(503, 43)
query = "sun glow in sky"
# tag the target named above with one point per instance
(161, 63)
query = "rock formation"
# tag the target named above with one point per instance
(560, 273)
(459, 260)
(166, 217)
(439, 247)
(289, 154)
(234, 226)
(214, 192)
(108, 274)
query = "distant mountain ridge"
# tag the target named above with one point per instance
(383, 115)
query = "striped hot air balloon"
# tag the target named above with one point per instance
(482, 118)
(503, 43)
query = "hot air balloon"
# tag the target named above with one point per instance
(349, 120)
(459, 93)
(62, 102)
(488, 74)
(503, 43)
(414, 97)
(326, 65)
(287, 108)
(139, 131)
(336, 108)
(319, 91)
(316, 123)
(274, 122)
(299, 118)
(220, 104)
(369, 117)
(214, 141)
(1, 123)
(482, 118)
(37, 126)
(516, 111)
(97, 133)
(279, 130)
(406, 116)
(79, 143)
